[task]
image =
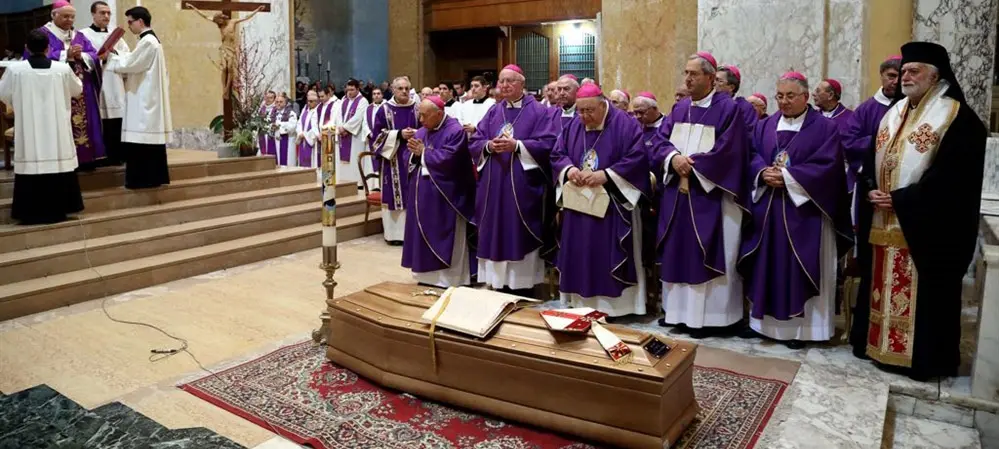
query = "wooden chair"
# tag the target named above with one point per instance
(7, 140)
(372, 199)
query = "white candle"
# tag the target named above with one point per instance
(327, 66)
(320, 59)
(306, 58)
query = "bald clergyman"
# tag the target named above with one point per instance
(441, 200)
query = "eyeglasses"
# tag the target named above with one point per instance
(788, 96)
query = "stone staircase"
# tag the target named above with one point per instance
(41, 418)
(215, 214)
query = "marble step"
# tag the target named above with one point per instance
(117, 198)
(102, 224)
(76, 255)
(909, 432)
(41, 294)
(41, 417)
(107, 177)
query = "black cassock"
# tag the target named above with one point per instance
(939, 217)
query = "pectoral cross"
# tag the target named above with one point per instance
(227, 7)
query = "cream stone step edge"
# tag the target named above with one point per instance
(51, 260)
(103, 223)
(38, 295)
(107, 177)
(121, 198)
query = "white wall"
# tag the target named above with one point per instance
(83, 18)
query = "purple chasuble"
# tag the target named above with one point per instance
(85, 109)
(437, 200)
(392, 118)
(564, 120)
(347, 113)
(596, 255)
(858, 133)
(780, 257)
(305, 149)
(748, 113)
(691, 243)
(512, 204)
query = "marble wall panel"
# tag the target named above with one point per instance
(844, 49)
(990, 183)
(766, 38)
(967, 28)
(405, 34)
(266, 39)
(644, 44)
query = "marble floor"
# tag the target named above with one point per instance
(231, 316)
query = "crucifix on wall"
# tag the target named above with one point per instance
(229, 50)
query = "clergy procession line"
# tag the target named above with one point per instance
(729, 203)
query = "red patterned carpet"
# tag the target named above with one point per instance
(320, 404)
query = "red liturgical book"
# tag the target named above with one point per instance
(112, 39)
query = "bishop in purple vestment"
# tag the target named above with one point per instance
(67, 45)
(645, 108)
(702, 206)
(801, 222)
(514, 205)
(728, 79)
(395, 124)
(861, 127)
(600, 258)
(441, 200)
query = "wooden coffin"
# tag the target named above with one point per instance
(522, 372)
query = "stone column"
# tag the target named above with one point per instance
(406, 40)
(644, 45)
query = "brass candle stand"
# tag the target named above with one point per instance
(330, 263)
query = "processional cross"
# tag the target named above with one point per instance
(229, 49)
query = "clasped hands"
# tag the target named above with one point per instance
(408, 133)
(587, 178)
(880, 199)
(773, 177)
(503, 144)
(682, 165)
(416, 146)
(74, 52)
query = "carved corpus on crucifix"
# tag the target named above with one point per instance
(229, 50)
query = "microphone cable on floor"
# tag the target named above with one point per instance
(158, 354)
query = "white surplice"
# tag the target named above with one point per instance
(816, 323)
(718, 302)
(147, 117)
(471, 112)
(41, 99)
(112, 101)
(348, 171)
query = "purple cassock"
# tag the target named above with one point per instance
(596, 255)
(86, 115)
(395, 177)
(305, 149)
(438, 198)
(565, 119)
(858, 132)
(514, 204)
(748, 113)
(841, 115)
(691, 245)
(279, 144)
(780, 257)
(265, 113)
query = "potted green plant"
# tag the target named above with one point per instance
(245, 141)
